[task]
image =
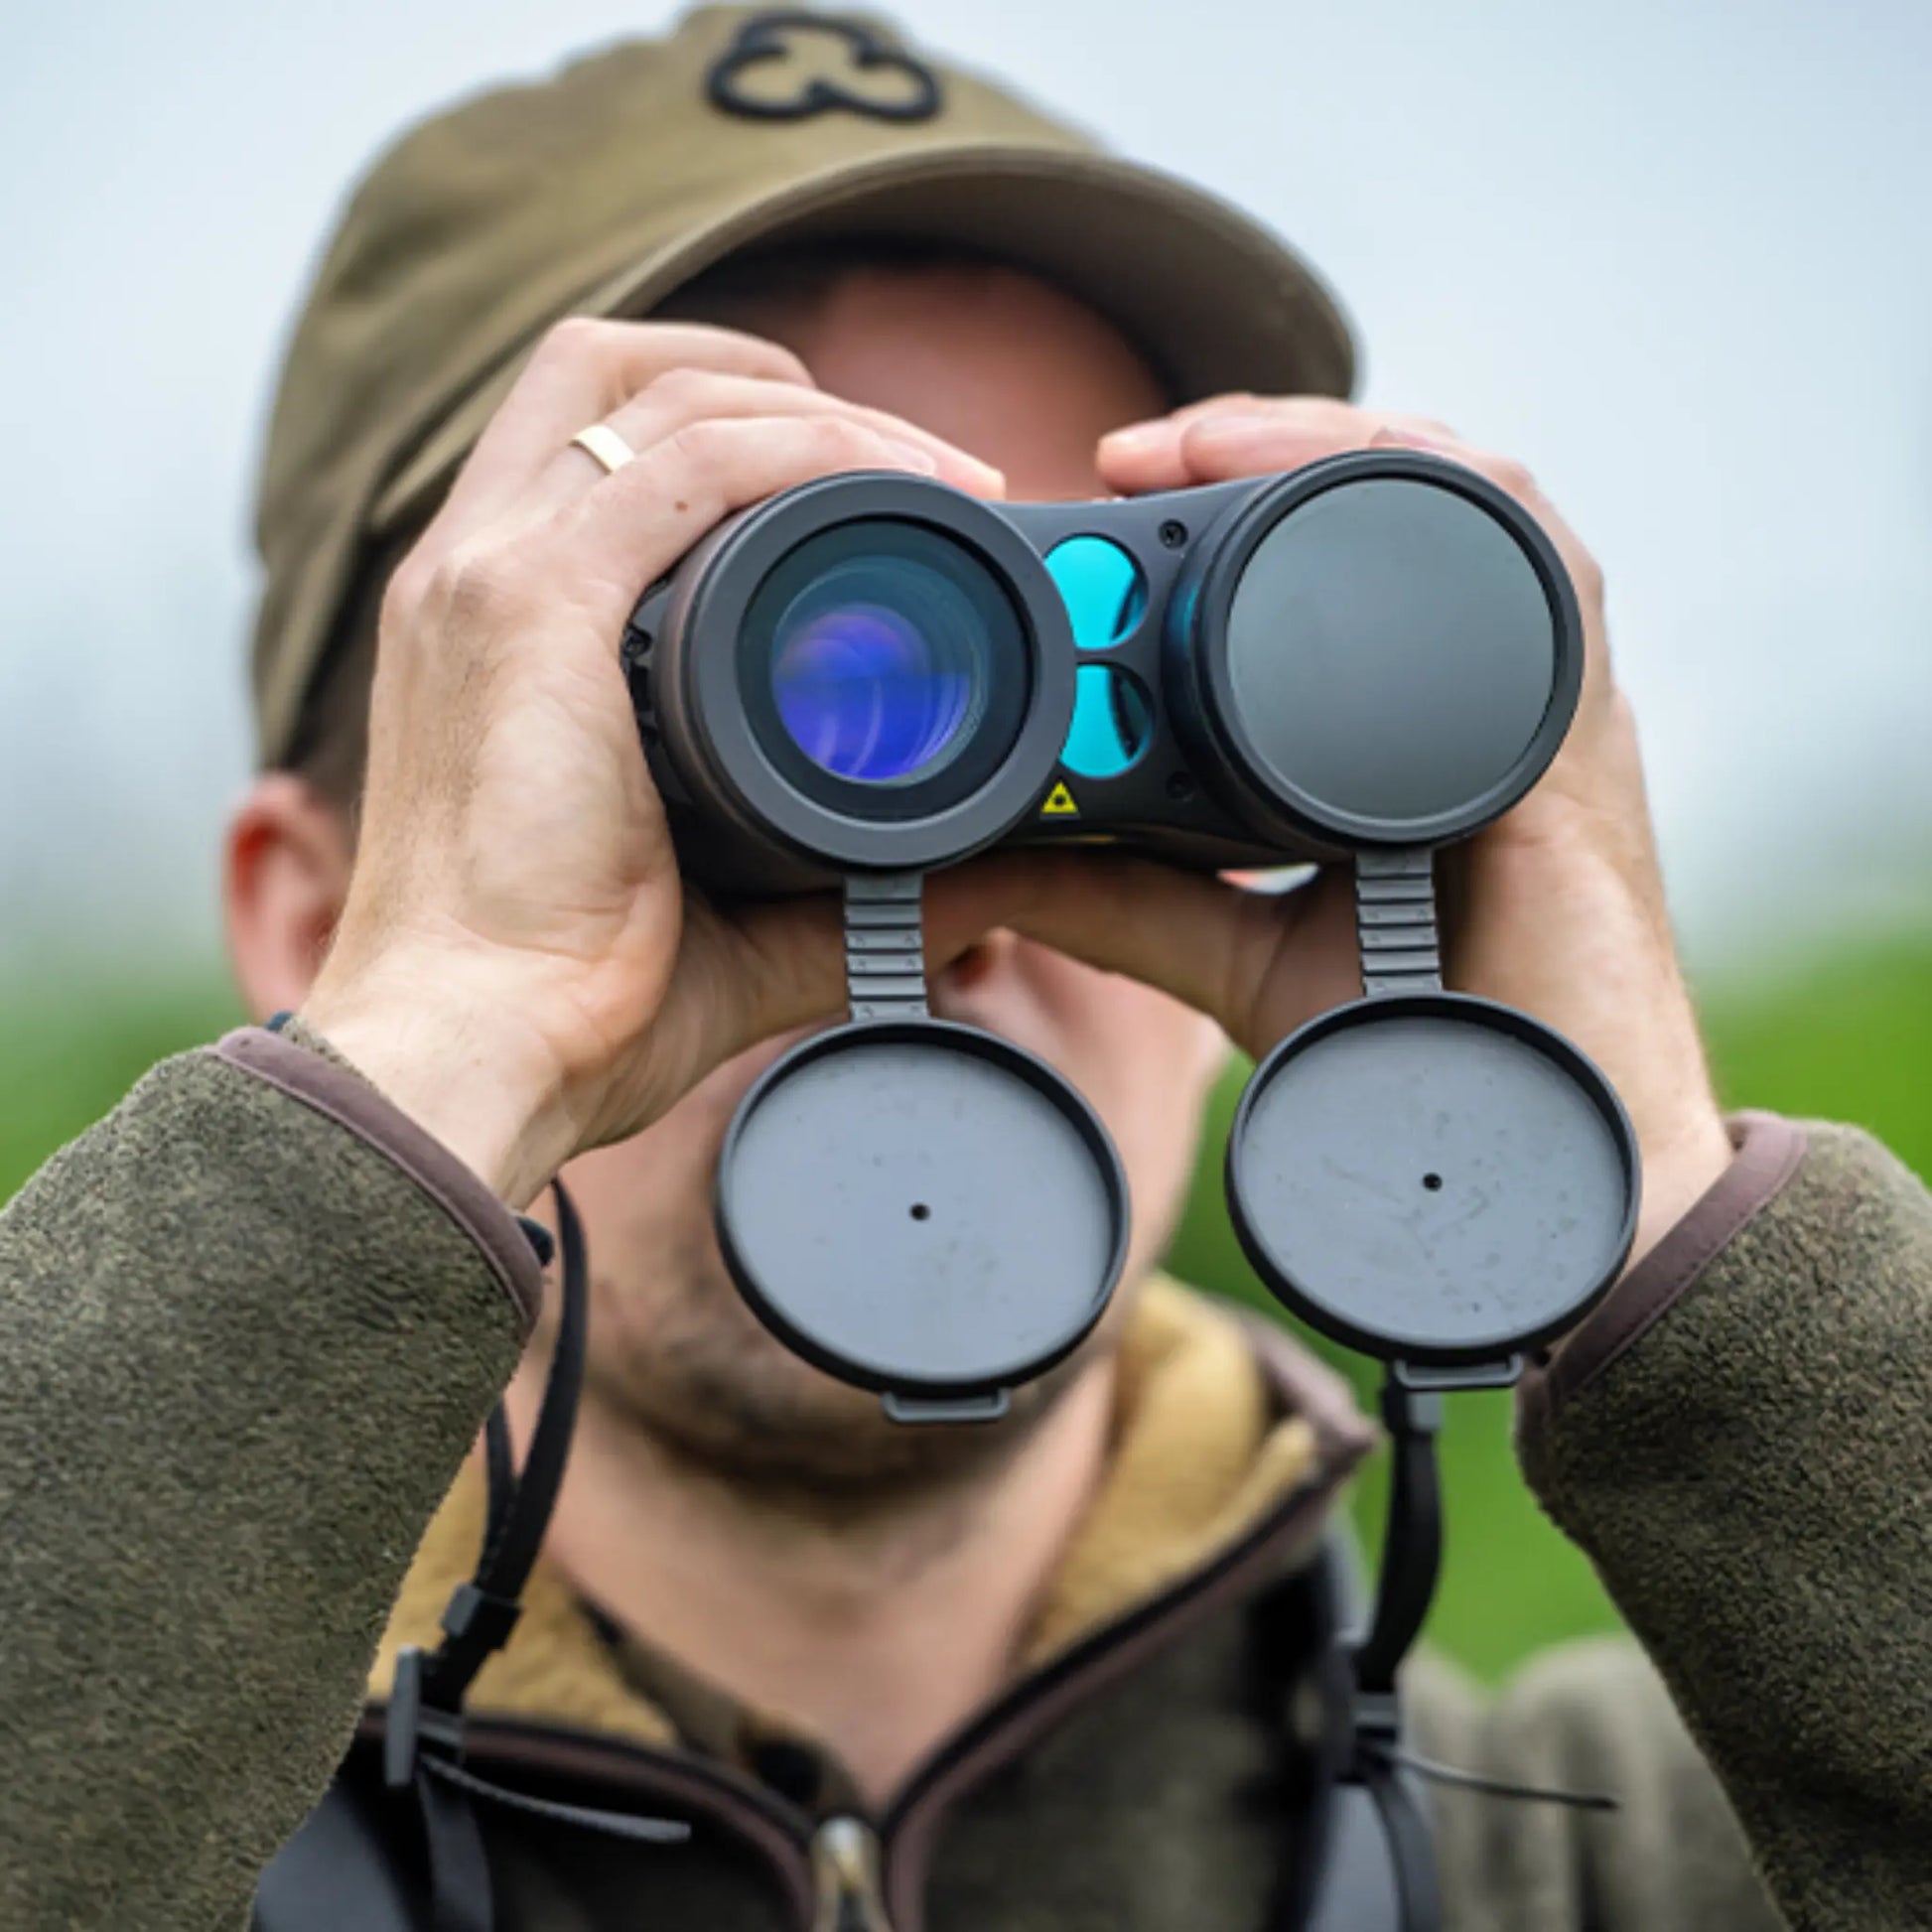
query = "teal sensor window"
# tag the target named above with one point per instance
(1103, 589)
(1113, 720)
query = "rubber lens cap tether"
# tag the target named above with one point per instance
(920, 1207)
(1427, 1176)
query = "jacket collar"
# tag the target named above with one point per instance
(1218, 1419)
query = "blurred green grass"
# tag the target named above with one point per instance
(1847, 1037)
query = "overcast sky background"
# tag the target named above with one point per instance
(1677, 254)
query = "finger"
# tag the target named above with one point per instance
(1254, 964)
(687, 395)
(1258, 966)
(1506, 473)
(774, 965)
(786, 958)
(578, 375)
(1220, 448)
(1240, 437)
(1514, 478)
(604, 548)
(1145, 456)
(1292, 431)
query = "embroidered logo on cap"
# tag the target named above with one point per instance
(788, 67)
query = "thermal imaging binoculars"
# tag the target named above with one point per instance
(879, 672)
(874, 676)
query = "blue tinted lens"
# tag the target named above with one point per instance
(879, 666)
(865, 695)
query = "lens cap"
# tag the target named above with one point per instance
(921, 1208)
(1432, 1179)
(1386, 650)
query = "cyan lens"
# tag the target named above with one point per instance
(1105, 592)
(1113, 720)
(885, 667)
(875, 670)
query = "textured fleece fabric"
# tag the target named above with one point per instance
(243, 1356)
(245, 1349)
(1197, 1457)
(1753, 1476)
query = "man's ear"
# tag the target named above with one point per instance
(284, 875)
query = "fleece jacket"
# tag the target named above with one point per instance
(253, 1321)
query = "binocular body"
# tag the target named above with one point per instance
(875, 672)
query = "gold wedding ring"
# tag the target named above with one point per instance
(605, 446)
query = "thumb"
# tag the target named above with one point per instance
(1257, 964)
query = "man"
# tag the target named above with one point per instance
(1045, 1674)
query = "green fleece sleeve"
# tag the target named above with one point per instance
(1586, 1718)
(1742, 1444)
(249, 1323)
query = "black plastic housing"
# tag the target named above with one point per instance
(1384, 566)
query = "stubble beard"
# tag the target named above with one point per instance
(693, 1368)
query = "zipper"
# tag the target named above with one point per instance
(990, 1733)
(845, 1864)
(640, 1775)
(834, 1870)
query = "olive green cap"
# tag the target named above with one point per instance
(606, 188)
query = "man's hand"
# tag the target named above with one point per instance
(517, 965)
(1558, 909)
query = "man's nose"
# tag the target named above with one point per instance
(982, 961)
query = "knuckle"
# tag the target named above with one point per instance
(702, 446)
(833, 442)
(1226, 399)
(682, 390)
(573, 339)
(777, 362)
(409, 587)
(733, 458)
(1514, 476)
(472, 589)
(840, 438)
(1326, 415)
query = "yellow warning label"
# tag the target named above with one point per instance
(1059, 804)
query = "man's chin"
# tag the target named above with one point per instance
(683, 1357)
(724, 1396)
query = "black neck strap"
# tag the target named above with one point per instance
(483, 1611)
(426, 1696)
(1412, 1554)
(423, 1737)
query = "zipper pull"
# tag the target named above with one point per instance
(844, 1862)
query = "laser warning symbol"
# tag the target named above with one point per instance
(1059, 804)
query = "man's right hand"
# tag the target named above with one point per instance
(517, 965)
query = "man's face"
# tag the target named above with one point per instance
(1027, 379)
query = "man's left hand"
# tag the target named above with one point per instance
(1557, 909)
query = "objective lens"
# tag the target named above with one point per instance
(885, 656)
(868, 689)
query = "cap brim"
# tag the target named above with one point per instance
(1211, 298)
